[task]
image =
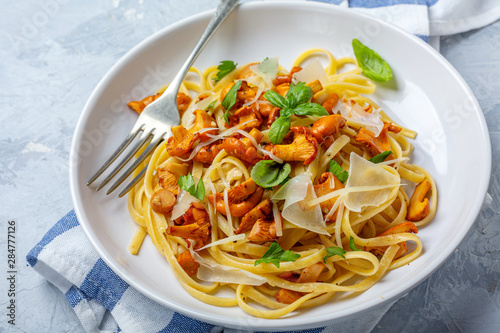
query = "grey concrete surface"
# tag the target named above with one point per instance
(53, 53)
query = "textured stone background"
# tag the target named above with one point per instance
(53, 53)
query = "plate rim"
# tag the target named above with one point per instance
(294, 322)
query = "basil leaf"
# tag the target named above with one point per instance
(225, 67)
(276, 99)
(187, 184)
(380, 157)
(298, 94)
(199, 193)
(279, 129)
(352, 245)
(275, 254)
(286, 112)
(372, 64)
(211, 105)
(338, 171)
(268, 173)
(230, 99)
(334, 251)
(310, 109)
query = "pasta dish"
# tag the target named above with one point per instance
(283, 187)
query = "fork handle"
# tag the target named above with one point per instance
(222, 11)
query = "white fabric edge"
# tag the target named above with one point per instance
(443, 27)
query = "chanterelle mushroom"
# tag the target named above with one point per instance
(419, 205)
(203, 120)
(183, 102)
(376, 145)
(241, 198)
(328, 183)
(244, 148)
(400, 228)
(304, 146)
(261, 211)
(181, 141)
(327, 126)
(248, 116)
(195, 225)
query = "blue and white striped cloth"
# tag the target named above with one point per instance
(105, 303)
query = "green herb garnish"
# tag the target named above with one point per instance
(275, 254)
(380, 157)
(337, 171)
(279, 129)
(268, 173)
(352, 246)
(230, 99)
(372, 64)
(211, 105)
(334, 251)
(225, 67)
(187, 184)
(295, 102)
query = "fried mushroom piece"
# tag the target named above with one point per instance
(183, 102)
(328, 183)
(286, 78)
(244, 149)
(263, 231)
(376, 145)
(194, 226)
(304, 146)
(244, 95)
(330, 102)
(181, 141)
(163, 201)
(187, 262)
(248, 118)
(398, 229)
(261, 211)
(203, 120)
(419, 206)
(168, 174)
(325, 127)
(241, 198)
(207, 154)
(246, 72)
(309, 274)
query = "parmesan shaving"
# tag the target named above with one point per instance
(224, 241)
(334, 149)
(184, 200)
(228, 213)
(297, 193)
(346, 191)
(354, 113)
(213, 272)
(365, 173)
(266, 70)
(314, 70)
(277, 220)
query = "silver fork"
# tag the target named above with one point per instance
(157, 118)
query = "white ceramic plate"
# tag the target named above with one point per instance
(427, 95)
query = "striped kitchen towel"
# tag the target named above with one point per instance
(428, 19)
(105, 303)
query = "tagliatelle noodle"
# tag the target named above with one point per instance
(355, 271)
